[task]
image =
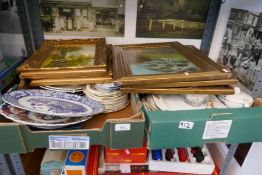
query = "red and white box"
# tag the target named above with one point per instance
(130, 155)
(124, 168)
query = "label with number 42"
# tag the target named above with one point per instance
(186, 125)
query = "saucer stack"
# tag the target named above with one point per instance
(109, 95)
(47, 109)
(68, 89)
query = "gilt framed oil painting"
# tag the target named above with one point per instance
(66, 58)
(142, 64)
(64, 54)
(158, 60)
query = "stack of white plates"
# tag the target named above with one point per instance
(178, 102)
(110, 96)
(48, 109)
(69, 89)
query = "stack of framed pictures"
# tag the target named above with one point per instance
(67, 62)
(168, 68)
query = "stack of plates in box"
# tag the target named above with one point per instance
(47, 109)
(109, 95)
(181, 102)
(149, 104)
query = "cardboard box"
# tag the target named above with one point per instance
(53, 162)
(126, 170)
(151, 173)
(128, 155)
(191, 166)
(105, 167)
(215, 172)
(76, 162)
(103, 129)
(165, 129)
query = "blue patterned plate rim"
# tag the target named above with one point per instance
(22, 116)
(53, 103)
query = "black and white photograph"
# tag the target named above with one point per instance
(171, 18)
(242, 47)
(98, 18)
(10, 30)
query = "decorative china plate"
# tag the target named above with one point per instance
(53, 103)
(36, 119)
(239, 100)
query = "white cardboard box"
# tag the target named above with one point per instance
(205, 167)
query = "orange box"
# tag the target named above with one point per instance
(74, 172)
(130, 155)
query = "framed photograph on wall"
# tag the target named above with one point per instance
(171, 19)
(241, 51)
(242, 45)
(96, 18)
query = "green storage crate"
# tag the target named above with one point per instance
(168, 129)
(102, 129)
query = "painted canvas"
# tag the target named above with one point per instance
(158, 60)
(171, 18)
(242, 45)
(70, 56)
(96, 18)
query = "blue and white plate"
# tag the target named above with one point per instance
(53, 103)
(38, 120)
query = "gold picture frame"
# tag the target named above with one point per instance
(128, 60)
(71, 81)
(210, 90)
(230, 81)
(67, 58)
